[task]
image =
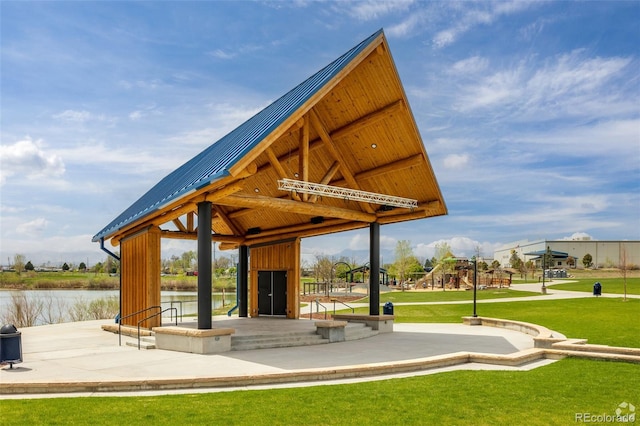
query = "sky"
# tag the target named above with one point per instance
(529, 111)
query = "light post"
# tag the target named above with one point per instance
(475, 284)
(544, 258)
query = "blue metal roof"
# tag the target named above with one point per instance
(214, 162)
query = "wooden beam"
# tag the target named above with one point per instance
(308, 233)
(346, 173)
(223, 192)
(295, 228)
(223, 216)
(249, 170)
(296, 207)
(347, 129)
(369, 119)
(327, 178)
(303, 159)
(416, 214)
(178, 223)
(190, 221)
(275, 163)
(401, 164)
(194, 236)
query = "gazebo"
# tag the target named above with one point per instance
(340, 151)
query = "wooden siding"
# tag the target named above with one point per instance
(140, 269)
(283, 256)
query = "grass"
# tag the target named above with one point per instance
(449, 295)
(550, 395)
(603, 321)
(609, 285)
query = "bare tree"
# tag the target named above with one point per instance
(23, 311)
(19, 262)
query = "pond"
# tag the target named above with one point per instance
(57, 304)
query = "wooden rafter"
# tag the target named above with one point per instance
(190, 221)
(369, 119)
(328, 142)
(303, 159)
(275, 163)
(327, 178)
(234, 239)
(178, 223)
(296, 207)
(223, 216)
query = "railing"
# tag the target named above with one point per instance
(342, 303)
(129, 316)
(318, 304)
(155, 315)
(180, 302)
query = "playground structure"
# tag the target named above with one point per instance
(460, 277)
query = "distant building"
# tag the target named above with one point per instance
(604, 254)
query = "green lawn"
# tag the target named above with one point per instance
(449, 295)
(603, 321)
(550, 395)
(609, 285)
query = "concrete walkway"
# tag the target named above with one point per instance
(80, 359)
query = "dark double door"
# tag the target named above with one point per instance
(272, 292)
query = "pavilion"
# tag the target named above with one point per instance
(340, 151)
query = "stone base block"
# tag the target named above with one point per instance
(381, 323)
(179, 339)
(332, 330)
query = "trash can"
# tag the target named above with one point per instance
(597, 289)
(10, 345)
(388, 308)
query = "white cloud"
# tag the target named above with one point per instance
(472, 65)
(578, 236)
(28, 158)
(470, 18)
(221, 54)
(74, 116)
(374, 9)
(456, 161)
(33, 227)
(460, 247)
(569, 84)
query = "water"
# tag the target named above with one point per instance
(59, 302)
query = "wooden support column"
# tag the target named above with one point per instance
(204, 265)
(374, 262)
(140, 276)
(243, 281)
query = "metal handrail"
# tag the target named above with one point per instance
(155, 315)
(341, 302)
(130, 315)
(318, 304)
(180, 302)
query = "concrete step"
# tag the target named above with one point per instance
(146, 342)
(356, 331)
(265, 341)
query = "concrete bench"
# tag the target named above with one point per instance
(380, 323)
(332, 330)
